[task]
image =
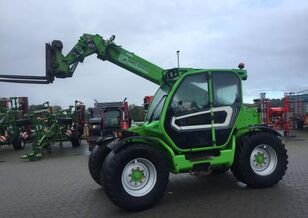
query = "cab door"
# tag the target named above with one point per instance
(227, 101)
(188, 120)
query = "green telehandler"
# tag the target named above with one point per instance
(196, 122)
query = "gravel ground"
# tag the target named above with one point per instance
(60, 186)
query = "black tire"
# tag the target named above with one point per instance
(235, 167)
(115, 181)
(48, 147)
(260, 161)
(96, 159)
(219, 170)
(91, 146)
(300, 124)
(76, 139)
(18, 143)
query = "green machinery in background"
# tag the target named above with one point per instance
(12, 109)
(49, 125)
(196, 122)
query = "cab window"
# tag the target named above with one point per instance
(226, 88)
(192, 95)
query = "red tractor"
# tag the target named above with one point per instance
(106, 119)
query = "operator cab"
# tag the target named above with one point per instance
(111, 120)
(201, 110)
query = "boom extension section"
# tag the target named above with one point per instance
(60, 66)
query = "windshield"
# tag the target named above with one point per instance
(95, 112)
(157, 103)
(112, 118)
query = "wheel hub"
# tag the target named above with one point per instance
(139, 177)
(260, 159)
(263, 160)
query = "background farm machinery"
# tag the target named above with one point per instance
(107, 118)
(291, 114)
(49, 125)
(11, 110)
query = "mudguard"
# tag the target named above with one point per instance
(119, 144)
(104, 139)
(265, 129)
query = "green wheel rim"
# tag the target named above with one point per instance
(263, 160)
(139, 177)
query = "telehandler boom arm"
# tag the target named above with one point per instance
(62, 66)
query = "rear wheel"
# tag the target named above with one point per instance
(260, 160)
(300, 124)
(136, 177)
(76, 139)
(18, 143)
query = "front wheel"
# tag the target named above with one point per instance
(261, 160)
(136, 177)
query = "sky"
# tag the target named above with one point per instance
(270, 37)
